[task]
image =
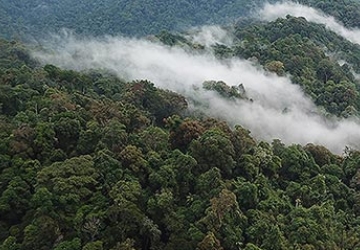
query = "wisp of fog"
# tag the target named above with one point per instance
(271, 12)
(210, 35)
(279, 110)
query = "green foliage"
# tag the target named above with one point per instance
(97, 245)
(303, 49)
(214, 149)
(115, 17)
(224, 90)
(210, 242)
(346, 11)
(10, 244)
(74, 244)
(116, 165)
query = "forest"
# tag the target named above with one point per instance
(90, 161)
(21, 20)
(140, 17)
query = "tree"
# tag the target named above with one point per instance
(225, 219)
(133, 159)
(97, 245)
(242, 141)
(251, 246)
(115, 136)
(89, 139)
(125, 215)
(213, 149)
(128, 244)
(72, 183)
(109, 168)
(74, 244)
(274, 239)
(41, 234)
(246, 193)
(151, 234)
(44, 141)
(321, 154)
(67, 132)
(248, 167)
(209, 183)
(10, 244)
(324, 70)
(22, 141)
(183, 165)
(297, 165)
(15, 200)
(276, 67)
(224, 203)
(182, 133)
(210, 242)
(153, 138)
(269, 164)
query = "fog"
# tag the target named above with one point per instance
(279, 109)
(210, 35)
(271, 12)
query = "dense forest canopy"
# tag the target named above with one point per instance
(91, 161)
(28, 20)
(347, 11)
(127, 17)
(311, 54)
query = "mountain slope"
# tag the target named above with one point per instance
(36, 18)
(319, 60)
(138, 17)
(178, 141)
(88, 162)
(346, 11)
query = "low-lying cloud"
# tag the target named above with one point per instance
(271, 12)
(210, 35)
(279, 110)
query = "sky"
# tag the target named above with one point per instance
(279, 110)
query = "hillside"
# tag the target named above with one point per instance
(317, 59)
(34, 19)
(92, 162)
(273, 63)
(346, 11)
(245, 136)
(114, 17)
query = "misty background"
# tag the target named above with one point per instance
(279, 110)
(271, 12)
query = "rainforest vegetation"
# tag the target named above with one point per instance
(140, 17)
(295, 46)
(90, 162)
(21, 20)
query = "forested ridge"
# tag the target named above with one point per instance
(89, 161)
(29, 20)
(310, 54)
(21, 20)
(347, 11)
(320, 61)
